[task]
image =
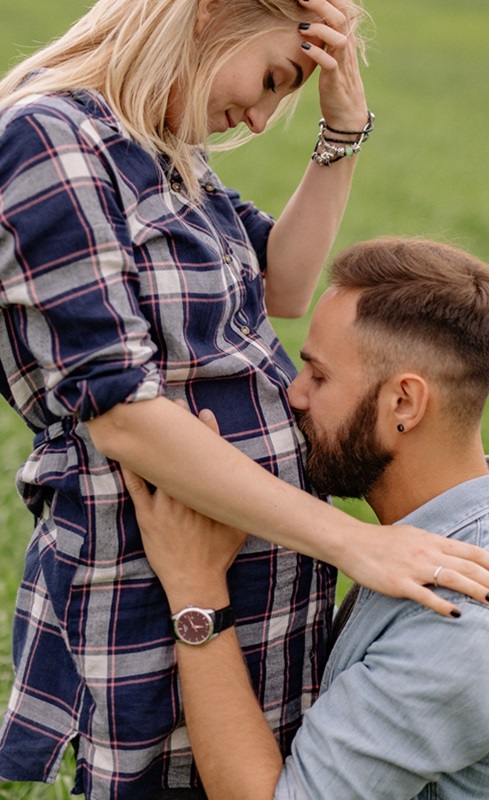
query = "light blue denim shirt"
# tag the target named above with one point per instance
(404, 709)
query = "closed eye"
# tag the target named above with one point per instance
(269, 82)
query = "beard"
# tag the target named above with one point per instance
(349, 461)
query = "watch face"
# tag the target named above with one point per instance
(193, 626)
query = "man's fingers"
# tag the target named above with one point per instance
(206, 415)
(183, 404)
(135, 485)
(208, 418)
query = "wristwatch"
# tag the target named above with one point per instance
(195, 626)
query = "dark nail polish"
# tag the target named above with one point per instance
(306, 46)
(304, 26)
(487, 597)
(455, 613)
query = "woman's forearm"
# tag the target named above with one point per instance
(303, 236)
(176, 452)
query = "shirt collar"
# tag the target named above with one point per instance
(453, 509)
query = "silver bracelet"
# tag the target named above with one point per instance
(328, 150)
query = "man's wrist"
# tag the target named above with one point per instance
(193, 595)
(196, 626)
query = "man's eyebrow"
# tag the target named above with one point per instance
(299, 78)
(305, 356)
(308, 358)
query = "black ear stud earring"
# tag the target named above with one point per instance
(400, 428)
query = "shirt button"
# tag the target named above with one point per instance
(319, 566)
(176, 186)
(245, 330)
(227, 258)
(209, 187)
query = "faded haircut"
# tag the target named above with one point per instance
(423, 306)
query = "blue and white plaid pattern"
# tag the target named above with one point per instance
(115, 288)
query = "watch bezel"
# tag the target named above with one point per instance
(204, 614)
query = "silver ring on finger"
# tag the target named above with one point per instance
(436, 575)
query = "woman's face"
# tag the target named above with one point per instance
(249, 87)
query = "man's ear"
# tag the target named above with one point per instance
(405, 400)
(204, 13)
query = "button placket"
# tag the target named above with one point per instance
(244, 329)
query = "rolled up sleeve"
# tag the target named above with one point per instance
(68, 282)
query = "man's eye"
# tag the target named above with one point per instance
(317, 378)
(270, 82)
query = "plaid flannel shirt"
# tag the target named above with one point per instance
(114, 287)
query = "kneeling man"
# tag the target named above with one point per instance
(390, 398)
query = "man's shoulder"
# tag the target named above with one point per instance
(383, 627)
(461, 512)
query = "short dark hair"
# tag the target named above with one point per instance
(423, 305)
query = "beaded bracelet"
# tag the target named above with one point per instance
(329, 150)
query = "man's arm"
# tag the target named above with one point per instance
(235, 750)
(402, 709)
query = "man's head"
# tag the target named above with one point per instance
(398, 347)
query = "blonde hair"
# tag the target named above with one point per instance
(135, 51)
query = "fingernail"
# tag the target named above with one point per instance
(487, 597)
(304, 26)
(306, 46)
(455, 613)
(205, 414)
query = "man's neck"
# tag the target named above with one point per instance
(410, 481)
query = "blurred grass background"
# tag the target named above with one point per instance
(424, 172)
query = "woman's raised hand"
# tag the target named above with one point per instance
(331, 43)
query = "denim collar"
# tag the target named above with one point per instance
(453, 509)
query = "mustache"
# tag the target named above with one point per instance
(303, 421)
(306, 427)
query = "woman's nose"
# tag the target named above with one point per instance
(257, 116)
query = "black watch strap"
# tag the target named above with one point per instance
(223, 618)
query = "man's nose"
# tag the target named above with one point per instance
(297, 394)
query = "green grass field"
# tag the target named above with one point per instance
(424, 171)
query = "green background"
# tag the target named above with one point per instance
(423, 172)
